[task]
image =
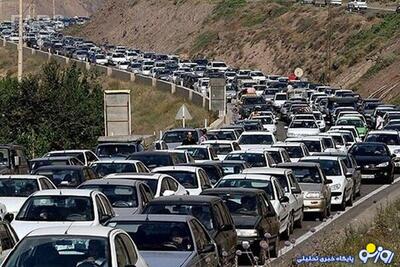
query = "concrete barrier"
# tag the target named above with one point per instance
(182, 92)
(163, 86)
(144, 80)
(121, 75)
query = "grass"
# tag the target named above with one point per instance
(382, 63)
(227, 8)
(383, 231)
(204, 40)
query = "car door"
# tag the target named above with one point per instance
(7, 240)
(264, 224)
(296, 192)
(228, 229)
(204, 180)
(281, 208)
(202, 240)
(218, 234)
(271, 216)
(43, 185)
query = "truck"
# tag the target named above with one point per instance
(13, 160)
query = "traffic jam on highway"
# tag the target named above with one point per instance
(295, 153)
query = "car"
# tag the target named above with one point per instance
(106, 167)
(315, 187)
(112, 150)
(200, 153)
(279, 99)
(357, 5)
(376, 161)
(360, 125)
(160, 184)
(299, 128)
(391, 139)
(296, 151)
(314, 144)
(194, 179)
(212, 168)
(278, 154)
(224, 134)
(174, 137)
(274, 191)
(182, 155)
(217, 66)
(8, 239)
(268, 123)
(256, 139)
(349, 128)
(211, 212)
(76, 245)
(51, 208)
(255, 219)
(222, 147)
(126, 196)
(335, 169)
(169, 240)
(13, 160)
(39, 162)
(234, 166)
(154, 159)
(85, 156)
(291, 188)
(339, 138)
(15, 189)
(68, 176)
(254, 157)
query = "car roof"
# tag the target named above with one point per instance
(61, 167)
(287, 144)
(297, 164)
(142, 176)
(125, 182)
(247, 176)
(152, 218)
(257, 133)
(177, 168)
(21, 176)
(185, 199)
(69, 151)
(394, 132)
(193, 146)
(233, 190)
(262, 170)
(218, 142)
(73, 230)
(66, 192)
(248, 151)
(54, 158)
(118, 161)
(322, 158)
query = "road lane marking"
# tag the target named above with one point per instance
(322, 225)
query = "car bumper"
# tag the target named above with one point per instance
(376, 173)
(314, 205)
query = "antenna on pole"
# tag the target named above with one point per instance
(54, 9)
(20, 41)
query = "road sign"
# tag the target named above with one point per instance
(298, 72)
(292, 77)
(183, 114)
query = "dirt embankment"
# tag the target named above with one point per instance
(270, 35)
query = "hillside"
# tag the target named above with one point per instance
(45, 7)
(271, 35)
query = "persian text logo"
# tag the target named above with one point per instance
(376, 253)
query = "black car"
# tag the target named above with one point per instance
(234, 166)
(69, 176)
(154, 159)
(375, 160)
(212, 168)
(40, 162)
(254, 217)
(210, 211)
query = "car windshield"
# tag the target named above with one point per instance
(222, 135)
(103, 169)
(60, 251)
(280, 97)
(303, 124)
(115, 150)
(239, 204)
(389, 139)
(187, 179)
(294, 151)
(256, 139)
(282, 181)
(35, 164)
(202, 212)
(77, 155)
(18, 187)
(198, 153)
(57, 208)
(153, 160)
(120, 196)
(276, 156)
(261, 184)
(357, 123)
(152, 183)
(313, 146)
(158, 236)
(178, 136)
(253, 101)
(307, 175)
(222, 149)
(62, 177)
(253, 159)
(329, 167)
(369, 151)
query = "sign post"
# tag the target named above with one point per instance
(183, 114)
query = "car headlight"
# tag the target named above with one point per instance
(383, 164)
(247, 232)
(336, 186)
(313, 195)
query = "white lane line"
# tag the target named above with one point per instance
(321, 226)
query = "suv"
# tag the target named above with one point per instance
(210, 211)
(357, 5)
(13, 160)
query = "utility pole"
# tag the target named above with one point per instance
(329, 54)
(20, 41)
(54, 9)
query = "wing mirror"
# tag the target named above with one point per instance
(9, 217)
(104, 218)
(284, 199)
(349, 175)
(208, 249)
(226, 227)
(296, 190)
(328, 181)
(168, 193)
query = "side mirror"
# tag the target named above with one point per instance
(168, 193)
(284, 199)
(349, 175)
(296, 190)
(328, 181)
(206, 186)
(207, 249)
(104, 218)
(286, 127)
(9, 217)
(393, 156)
(226, 227)
(358, 168)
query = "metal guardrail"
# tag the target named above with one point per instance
(189, 94)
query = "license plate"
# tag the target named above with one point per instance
(367, 176)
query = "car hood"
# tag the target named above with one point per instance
(255, 146)
(13, 204)
(167, 258)
(308, 187)
(245, 222)
(367, 160)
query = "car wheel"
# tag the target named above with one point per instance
(342, 206)
(274, 252)
(286, 233)
(299, 222)
(291, 221)
(329, 209)
(350, 201)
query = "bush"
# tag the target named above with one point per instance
(55, 109)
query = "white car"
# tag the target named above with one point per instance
(319, 117)
(357, 5)
(77, 246)
(279, 100)
(160, 184)
(194, 179)
(86, 156)
(335, 169)
(315, 144)
(267, 122)
(8, 239)
(58, 207)
(117, 58)
(256, 140)
(254, 157)
(222, 147)
(257, 75)
(224, 134)
(299, 128)
(106, 167)
(279, 154)
(339, 139)
(218, 66)
(182, 155)
(200, 153)
(17, 188)
(351, 128)
(292, 190)
(296, 151)
(272, 187)
(100, 59)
